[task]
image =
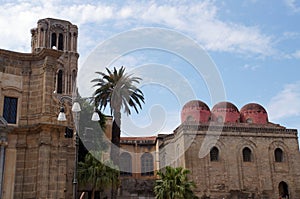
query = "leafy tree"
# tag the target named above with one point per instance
(96, 175)
(117, 89)
(174, 184)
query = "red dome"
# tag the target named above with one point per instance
(225, 112)
(254, 113)
(195, 111)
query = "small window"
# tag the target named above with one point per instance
(59, 81)
(278, 155)
(147, 164)
(125, 164)
(73, 85)
(214, 154)
(247, 155)
(53, 40)
(60, 41)
(10, 109)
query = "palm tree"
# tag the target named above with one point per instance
(174, 184)
(97, 175)
(117, 89)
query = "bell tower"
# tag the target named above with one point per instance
(56, 34)
(59, 35)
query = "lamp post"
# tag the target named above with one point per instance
(76, 115)
(76, 110)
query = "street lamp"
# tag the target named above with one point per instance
(62, 117)
(95, 116)
(76, 108)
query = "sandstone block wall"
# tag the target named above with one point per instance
(230, 176)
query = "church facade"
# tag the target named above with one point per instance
(36, 160)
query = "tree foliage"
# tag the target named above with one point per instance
(95, 175)
(118, 89)
(174, 184)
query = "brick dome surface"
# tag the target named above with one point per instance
(225, 112)
(195, 111)
(254, 113)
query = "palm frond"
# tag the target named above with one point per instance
(173, 183)
(118, 89)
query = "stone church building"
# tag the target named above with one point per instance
(234, 154)
(36, 160)
(231, 153)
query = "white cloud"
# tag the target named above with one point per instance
(87, 13)
(296, 54)
(201, 21)
(286, 103)
(291, 35)
(293, 5)
(197, 19)
(250, 67)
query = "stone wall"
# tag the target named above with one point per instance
(230, 176)
(44, 161)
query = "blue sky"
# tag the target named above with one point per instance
(254, 45)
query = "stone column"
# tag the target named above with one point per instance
(44, 163)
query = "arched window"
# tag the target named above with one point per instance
(214, 154)
(125, 164)
(60, 41)
(74, 77)
(74, 41)
(73, 81)
(278, 153)
(247, 155)
(283, 190)
(59, 81)
(69, 41)
(147, 164)
(53, 40)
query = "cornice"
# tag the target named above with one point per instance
(31, 56)
(238, 130)
(235, 128)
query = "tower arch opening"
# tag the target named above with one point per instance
(53, 40)
(283, 190)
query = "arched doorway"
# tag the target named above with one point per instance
(283, 190)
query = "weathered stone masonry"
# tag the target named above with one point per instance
(39, 160)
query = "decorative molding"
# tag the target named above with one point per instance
(12, 88)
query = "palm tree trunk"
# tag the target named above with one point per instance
(93, 193)
(115, 138)
(115, 147)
